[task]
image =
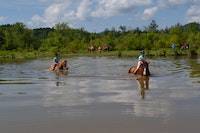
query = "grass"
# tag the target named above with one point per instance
(159, 52)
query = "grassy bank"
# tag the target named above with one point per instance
(160, 52)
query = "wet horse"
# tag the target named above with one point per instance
(60, 66)
(142, 70)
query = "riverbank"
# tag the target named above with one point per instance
(132, 53)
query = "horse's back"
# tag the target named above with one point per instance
(132, 69)
(138, 72)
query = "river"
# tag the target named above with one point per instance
(97, 95)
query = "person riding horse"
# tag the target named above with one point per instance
(141, 60)
(142, 67)
(56, 60)
(60, 66)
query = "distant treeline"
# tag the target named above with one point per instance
(63, 38)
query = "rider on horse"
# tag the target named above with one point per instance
(141, 60)
(56, 60)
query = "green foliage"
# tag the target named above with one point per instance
(64, 39)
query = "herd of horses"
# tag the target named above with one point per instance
(93, 48)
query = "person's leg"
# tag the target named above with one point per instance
(138, 65)
(54, 66)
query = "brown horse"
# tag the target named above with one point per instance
(106, 47)
(60, 66)
(91, 48)
(142, 70)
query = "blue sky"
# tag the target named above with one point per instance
(97, 15)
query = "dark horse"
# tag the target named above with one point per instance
(143, 69)
(60, 66)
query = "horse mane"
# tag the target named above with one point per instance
(146, 64)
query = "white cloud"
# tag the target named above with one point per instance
(83, 10)
(193, 14)
(75, 12)
(36, 20)
(2, 19)
(109, 8)
(62, 12)
(51, 16)
(52, 1)
(149, 13)
(179, 2)
(175, 3)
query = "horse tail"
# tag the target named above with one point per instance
(129, 71)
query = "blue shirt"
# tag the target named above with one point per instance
(141, 58)
(56, 59)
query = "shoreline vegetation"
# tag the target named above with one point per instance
(18, 41)
(129, 53)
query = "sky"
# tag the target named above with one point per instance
(97, 15)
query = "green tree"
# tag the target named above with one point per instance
(153, 26)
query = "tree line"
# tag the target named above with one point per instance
(63, 38)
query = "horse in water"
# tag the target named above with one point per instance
(60, 66)
(142, 70)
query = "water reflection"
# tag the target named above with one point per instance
(143, 84)
(58, 74)
(98, 87)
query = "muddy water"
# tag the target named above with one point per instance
(97, 95)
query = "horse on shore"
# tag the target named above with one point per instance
(106, 47)
(60, 66)
(91, 48)
(143, 69)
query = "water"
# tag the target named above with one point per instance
(97, 95)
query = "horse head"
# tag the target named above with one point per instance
(145, 66)
(61, 65)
